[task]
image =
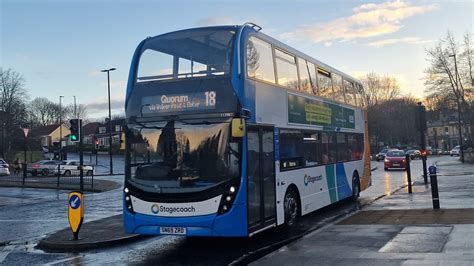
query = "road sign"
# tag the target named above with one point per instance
(75, 211)
(25, 131)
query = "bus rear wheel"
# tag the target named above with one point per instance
(355, 187)
(291, 207)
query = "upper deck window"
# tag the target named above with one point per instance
(260, 60)
(325, 83)
(286, 69)
(306, 84)
(186, 54)
(350, 93)
(337, 87)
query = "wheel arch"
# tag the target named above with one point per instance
(296, 190)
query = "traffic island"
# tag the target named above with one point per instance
(96, 234)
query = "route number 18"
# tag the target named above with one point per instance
(210, 98)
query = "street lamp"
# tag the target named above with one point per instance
(2, 114)
(459, 107)
(75, 110)
(60, 128)
(110, 119)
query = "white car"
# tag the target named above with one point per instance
(456, 151)
(4, 168)
(68, 168)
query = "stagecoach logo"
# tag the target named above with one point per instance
(155, 208)
(311, 179)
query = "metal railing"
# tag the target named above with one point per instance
(72, 178)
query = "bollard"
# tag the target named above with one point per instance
(407, 159)
(25, 172)
(59, 174)
(434, 186)
(93, 168)
(425, 175)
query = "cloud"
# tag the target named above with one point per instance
(104, 105)
(407, 40)
(368, 20)
(217, 21)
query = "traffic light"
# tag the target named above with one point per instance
(75, 126)
(424, 153)
(97, 143)
(420, 118)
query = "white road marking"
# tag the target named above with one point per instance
(7, 250)
(63, 260)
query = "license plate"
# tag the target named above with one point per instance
(396, 164)
(173, 230)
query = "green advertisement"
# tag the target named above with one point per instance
(302, 110)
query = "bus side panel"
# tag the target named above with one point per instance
(318, 186)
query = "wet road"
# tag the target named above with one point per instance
(28, 214)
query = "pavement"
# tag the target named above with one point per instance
(398, 229)
(96, 234)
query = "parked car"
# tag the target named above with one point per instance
(381, 155)
(414, 154)
(395, 159)
(4, 168)
(456, 151)
(43, 167)
(70, 167)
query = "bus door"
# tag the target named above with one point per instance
(261, 178)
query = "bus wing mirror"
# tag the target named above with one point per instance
(238, 127)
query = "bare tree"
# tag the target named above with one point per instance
(13, 108)
(45, 112)
(378, 89)
(449, 77)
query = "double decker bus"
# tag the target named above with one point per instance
(231, 132)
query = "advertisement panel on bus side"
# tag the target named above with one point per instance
(302, 110)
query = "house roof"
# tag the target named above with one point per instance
(91, 128)
(43, 130)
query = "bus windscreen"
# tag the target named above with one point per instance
(186, 54)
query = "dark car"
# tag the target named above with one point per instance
(381, 155)
(395, 160)
(44, 167)
(414, 154)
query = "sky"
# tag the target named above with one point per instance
(60, 46)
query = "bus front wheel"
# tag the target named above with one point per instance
(291, 207)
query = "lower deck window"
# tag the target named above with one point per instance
(302, 148)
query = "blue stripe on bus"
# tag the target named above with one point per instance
(343, 188)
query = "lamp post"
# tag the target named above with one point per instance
(60, 129)
(110, 119)
(459, 107)
(2, 116)
(75, 109)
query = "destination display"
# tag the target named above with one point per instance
(179, 102)
(302, 110)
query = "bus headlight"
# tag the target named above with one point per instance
(128, 200)
(228, 197)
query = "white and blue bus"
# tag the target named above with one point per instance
(231, 132)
